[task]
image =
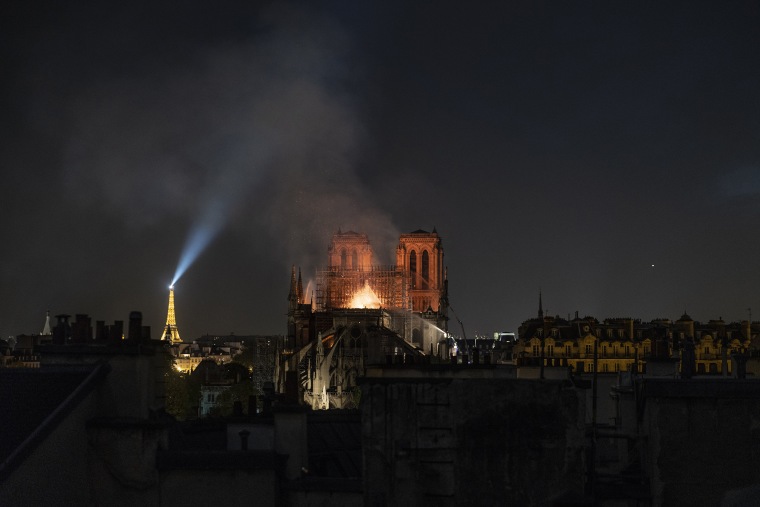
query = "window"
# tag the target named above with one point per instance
(550, 350)
(354, 260)
(589, 348)
(343, 259)
(536, 351)
(568, 350)
(413, 268)
(425, 269)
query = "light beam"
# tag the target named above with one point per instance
(206, 229)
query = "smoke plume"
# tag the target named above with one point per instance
(258, 136)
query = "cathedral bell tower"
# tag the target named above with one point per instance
(420, 255)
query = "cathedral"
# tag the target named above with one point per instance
(364, 313)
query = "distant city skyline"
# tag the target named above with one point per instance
(607, 156)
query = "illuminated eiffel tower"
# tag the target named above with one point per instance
(171, 333)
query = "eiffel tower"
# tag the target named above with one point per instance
(171, 333)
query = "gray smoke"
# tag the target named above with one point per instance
(259, 138)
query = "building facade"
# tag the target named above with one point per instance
(628, 344)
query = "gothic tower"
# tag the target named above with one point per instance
(171, 333)
(295, 296)
(420, 255)
(350, 251)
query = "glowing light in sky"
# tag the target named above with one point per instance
(201, 234)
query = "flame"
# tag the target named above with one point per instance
(365, 298)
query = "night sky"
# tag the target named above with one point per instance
(608, 156)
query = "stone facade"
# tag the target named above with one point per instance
(700, 439)
(470, 441)
(628, 344)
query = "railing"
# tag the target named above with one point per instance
(590, 355)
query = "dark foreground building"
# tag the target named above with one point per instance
(88, 428)
(470, 435)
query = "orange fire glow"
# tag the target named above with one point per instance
(365, 298)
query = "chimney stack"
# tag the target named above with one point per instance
(135, 327)
(62, 330)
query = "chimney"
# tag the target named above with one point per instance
(62, 330)
(100, 330)
(116, 332)
(135, 327)
(81, 329)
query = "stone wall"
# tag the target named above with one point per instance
(231, 487)
(56, 471)
(471, 441)
(701, 439)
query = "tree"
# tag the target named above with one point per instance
(237, 392)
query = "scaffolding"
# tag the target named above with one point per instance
(336, 286)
